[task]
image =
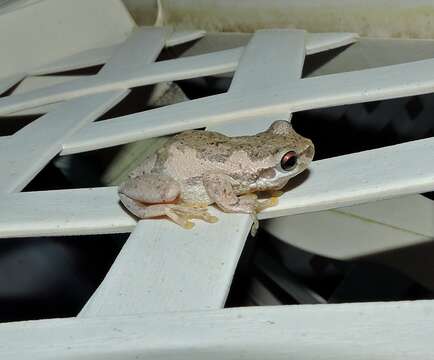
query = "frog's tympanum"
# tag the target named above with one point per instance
(197, 168)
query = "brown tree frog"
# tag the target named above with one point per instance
(197, 168)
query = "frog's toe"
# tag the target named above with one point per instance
(194, 212)
(179, 218)
(255, 225)
(264, 204)
(212, 219)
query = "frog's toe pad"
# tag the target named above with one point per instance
(187, 212)
(264, 204)
(188, 225)
(213, 219)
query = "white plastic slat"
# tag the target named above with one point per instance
(115, 296)
(340, 181)
(330, 90)
(80, 60)
(188, 67)
(414, 213)
(360, 230)
(31, 83)
(30, 149)
(63, 212)
(37, 82)
(361, 177)
(99, 56)
(382, 330)
(172, 253)
(54, 29)
(208, 64)
(260, 295)
(317, 42)
(141, 48)
(271, 57)
(183, 36)
(314, 43)
(165, 268)
(8, 82)
(39, 110)
(249, 125)
(8, 6)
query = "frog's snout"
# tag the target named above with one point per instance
(305, 157)
(308, 153)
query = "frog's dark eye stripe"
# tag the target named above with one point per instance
(289, 160)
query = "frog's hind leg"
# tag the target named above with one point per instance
(144, 211)
(150, 196)
(151, 189)
(180, 214)
(141, 210)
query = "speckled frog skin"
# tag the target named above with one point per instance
(197, 168)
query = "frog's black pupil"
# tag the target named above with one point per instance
(289, 160)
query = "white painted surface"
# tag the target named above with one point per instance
(141, 48)
(317, 42)
(97, 56)
(187, 67)
(387, 331)
(59, 28)
(329, 90)
(207, 64)
(355, 231)
(25, 153)
(63, 212)
(165, 268)
(82, 59)
(260, 295)
(270, 58)
(183, 36)
(30, 83)
(7, 82)
(12, 5)
(414, 213)
(249, 125)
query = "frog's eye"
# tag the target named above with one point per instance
(289, 160)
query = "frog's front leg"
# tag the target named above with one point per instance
(150, 196)
(220, 190)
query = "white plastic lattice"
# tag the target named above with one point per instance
(165, 268)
